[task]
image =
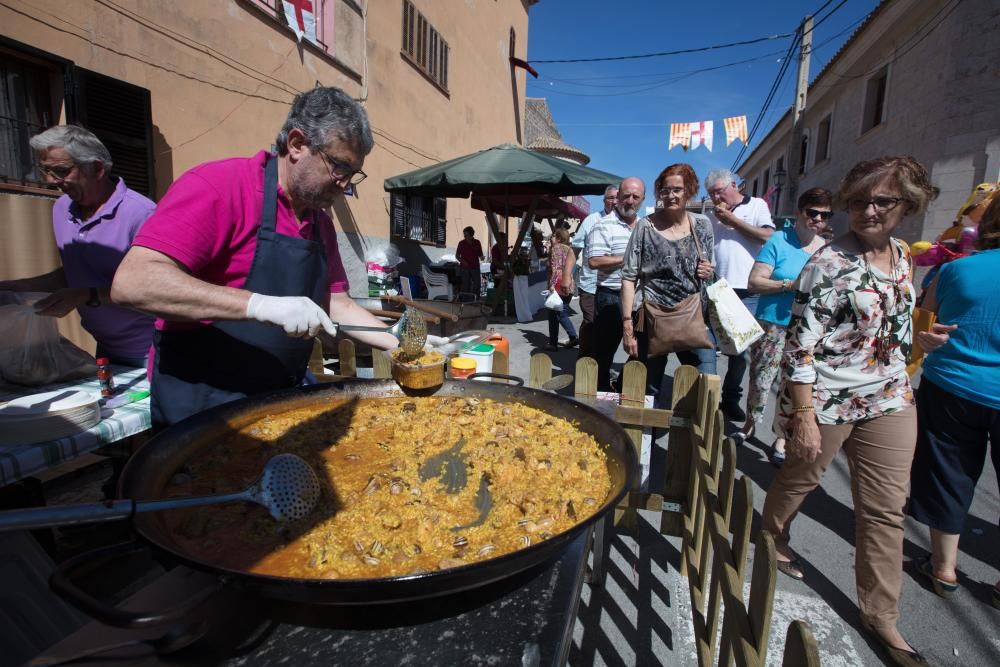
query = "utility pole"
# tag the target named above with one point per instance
(795, 156)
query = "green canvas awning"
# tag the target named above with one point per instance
(503, 169)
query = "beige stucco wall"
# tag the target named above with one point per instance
(29, 250)
(942, 105)
(221, 76)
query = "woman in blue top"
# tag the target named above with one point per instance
(774, 276)
(958, 402)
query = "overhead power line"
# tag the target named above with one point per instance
(663, 53)
(770, 97)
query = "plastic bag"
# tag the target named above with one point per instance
(33, 353)
(734, 326)
(553, 301)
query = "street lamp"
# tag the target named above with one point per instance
(779, 182)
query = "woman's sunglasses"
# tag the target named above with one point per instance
(813, 213)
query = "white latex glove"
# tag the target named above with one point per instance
(440, 344)
(299, 316)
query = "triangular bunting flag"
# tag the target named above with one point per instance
(680, 135)
(736, 128)
(701, 134)
(301, 17)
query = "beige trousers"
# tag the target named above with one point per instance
(879, 455)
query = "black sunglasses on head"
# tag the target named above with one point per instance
(813, 213)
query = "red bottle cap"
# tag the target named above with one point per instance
(103, 361)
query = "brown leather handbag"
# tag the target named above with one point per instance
(678, 328)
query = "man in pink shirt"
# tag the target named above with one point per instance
(241, 266)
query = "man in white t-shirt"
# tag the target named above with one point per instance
(742, 225)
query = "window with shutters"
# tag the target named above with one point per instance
(875, 93)
(423, 47)
(422, 219)
(823, 140)
(27, 107)
(34, 87)
(119, 114)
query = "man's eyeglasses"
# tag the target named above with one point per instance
(342, 171)
(58, 172)
(822, 215)
(715, 192)
(665, 192)
(881, 204)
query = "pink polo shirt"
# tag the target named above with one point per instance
(209, 218)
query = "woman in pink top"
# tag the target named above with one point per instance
(562, 260)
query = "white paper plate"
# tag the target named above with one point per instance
(47, 403)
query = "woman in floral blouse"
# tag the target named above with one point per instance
(846, 386)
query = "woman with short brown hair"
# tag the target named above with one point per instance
(846, 386)
(668, 259)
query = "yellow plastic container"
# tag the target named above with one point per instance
(462, 367)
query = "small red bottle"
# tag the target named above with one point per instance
(105, 377)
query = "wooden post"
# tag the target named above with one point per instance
(679, 474)
(501, 364)
(633, 395)
(381, 365)
(348, 358)
(585, 386)
(540, 370)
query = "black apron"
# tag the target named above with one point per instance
(224, 361)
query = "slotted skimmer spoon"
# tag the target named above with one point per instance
(287, 488)
(410, 330)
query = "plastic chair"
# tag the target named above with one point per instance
(437, 284)
(406, 284)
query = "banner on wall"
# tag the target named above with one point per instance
(301, 17)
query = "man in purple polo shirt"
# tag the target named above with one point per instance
(94, 222)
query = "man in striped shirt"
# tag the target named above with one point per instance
(606, 253)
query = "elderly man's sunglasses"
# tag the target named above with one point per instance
(822, 215)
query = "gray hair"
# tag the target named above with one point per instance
(717, 175)
(609, 189)
(82, 145)
(318, 112)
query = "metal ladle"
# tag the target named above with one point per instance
(287, 488)
(410, 330)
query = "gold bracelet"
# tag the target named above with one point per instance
(803, 408)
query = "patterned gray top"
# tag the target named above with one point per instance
(667, 275)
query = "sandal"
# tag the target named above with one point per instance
(793, 568)
(943, 588)
(898, 656)
(740, 436)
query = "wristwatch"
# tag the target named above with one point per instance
(95, 300)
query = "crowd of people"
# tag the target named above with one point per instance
(239, 266)
(838, 332)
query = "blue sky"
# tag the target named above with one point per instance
(619, 112)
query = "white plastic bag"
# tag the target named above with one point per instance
(734, 325)
(553, 301)
(33, 353)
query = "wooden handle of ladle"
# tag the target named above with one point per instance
(419, 306)
(391, 314)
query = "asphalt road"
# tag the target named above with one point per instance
(641, 616)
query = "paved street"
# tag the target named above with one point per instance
(641, 616)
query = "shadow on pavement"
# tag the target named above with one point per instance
(645, 628)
